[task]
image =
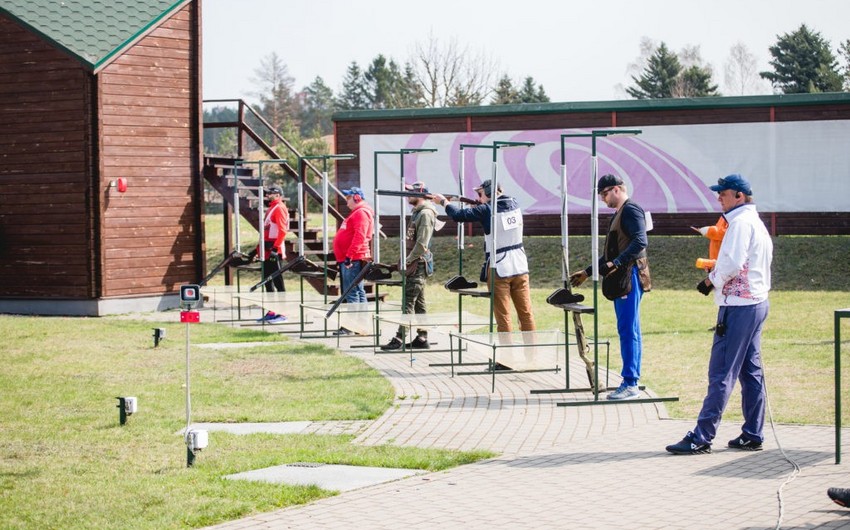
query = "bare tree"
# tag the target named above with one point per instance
(696, 76)
(741, 72)
(451, 76)
(275, 90)
(634, 69)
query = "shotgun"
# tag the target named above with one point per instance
(429, 196)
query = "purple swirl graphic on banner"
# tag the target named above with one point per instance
(656, 179)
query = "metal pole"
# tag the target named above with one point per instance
(460, 241)
(402, 234)
(491, 281)
(190, 456)
(236, 211)
(376, 244)
(594, 253)
(261, 211)
(837, 388)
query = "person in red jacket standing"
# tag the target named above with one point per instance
(275, 225)
(353, 242)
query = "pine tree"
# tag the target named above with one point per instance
(319, 105)
(505, 93)
(844, 49)
(695, 82)
(659, 78)
(532, 93)
(354, 95)
(802, 63)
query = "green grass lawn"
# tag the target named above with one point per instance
(65, 462)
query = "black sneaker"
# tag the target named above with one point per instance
(688, 447)
(343, 332)
(419, 343)
(392, 345)
(840, 496)
(744, 444)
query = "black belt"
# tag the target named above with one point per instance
(504, 249)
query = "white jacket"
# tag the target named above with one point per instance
(741, 275)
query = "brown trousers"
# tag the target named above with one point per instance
(515, 289)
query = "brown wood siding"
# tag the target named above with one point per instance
(148, 119)
(45, 229)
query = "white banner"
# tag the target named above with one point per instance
(792, 166)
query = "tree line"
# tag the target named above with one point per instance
(448, 75)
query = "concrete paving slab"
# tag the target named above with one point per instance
(237, 345)
(326, 476)
(284, 427)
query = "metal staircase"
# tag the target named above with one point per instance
(220, 172)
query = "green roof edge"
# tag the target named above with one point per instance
(153, 23)
(46, 37)
(635, 105)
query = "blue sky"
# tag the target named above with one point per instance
(578, 51)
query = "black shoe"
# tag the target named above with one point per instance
(342, 332)
(459, 282)
(744, 444)
(419, 343)
(392, 345)
(840, 496)
(688, 447)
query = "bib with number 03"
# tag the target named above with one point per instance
(511, 220)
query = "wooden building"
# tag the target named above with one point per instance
(97, 94)
(351, 127)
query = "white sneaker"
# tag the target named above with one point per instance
(624, 392)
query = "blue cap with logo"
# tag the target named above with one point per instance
(733, 182)
(354, 191)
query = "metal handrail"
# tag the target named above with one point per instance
(243, 126)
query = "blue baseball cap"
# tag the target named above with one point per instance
(733, 182)
(354, 191)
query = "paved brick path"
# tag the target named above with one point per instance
(596, 467)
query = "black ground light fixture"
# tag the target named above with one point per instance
(158, 336)
(127, 406)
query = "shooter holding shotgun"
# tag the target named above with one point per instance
(511, 283)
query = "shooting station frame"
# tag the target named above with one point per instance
(402, 238)
(492, 339)
(310, 269)
(594, 238)
(237, 258)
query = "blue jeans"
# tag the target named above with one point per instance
(348, 274)
(735, 355)
(627, 309)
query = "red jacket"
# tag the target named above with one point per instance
(276, 224)
(354, 236)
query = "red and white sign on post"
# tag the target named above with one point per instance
(190, 317)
